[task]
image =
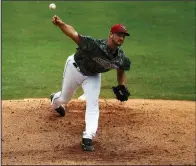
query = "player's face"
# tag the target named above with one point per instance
(118, 38)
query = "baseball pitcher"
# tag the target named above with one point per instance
(84, 68)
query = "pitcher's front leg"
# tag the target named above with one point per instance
(70, 84)
(91, 87)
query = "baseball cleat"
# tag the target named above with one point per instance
(51, 96)
(61, 109)
(87, 144)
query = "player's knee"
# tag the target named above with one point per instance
(92, 102)
(92, 109)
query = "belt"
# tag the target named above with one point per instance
(76, 66)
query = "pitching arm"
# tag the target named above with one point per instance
(66, 29)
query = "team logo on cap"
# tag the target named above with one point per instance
(123, 27)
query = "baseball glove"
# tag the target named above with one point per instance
(121, 92)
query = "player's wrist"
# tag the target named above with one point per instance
(60, 24)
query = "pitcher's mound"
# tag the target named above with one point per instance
(136, 132)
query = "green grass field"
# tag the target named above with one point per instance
(161, 46)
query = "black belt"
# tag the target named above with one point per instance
(76, 66)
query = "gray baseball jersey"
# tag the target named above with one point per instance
(93, 56)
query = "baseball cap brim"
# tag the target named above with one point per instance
(119, 28)
(126, 34)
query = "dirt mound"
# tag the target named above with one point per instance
(136, 132)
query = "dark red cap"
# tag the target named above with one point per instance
(119, 28)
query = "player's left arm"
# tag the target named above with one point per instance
(121, 91)
(121, 77)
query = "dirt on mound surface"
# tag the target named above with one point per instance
(136, 132)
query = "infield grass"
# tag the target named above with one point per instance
(161, 46)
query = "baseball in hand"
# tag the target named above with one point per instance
(52, 6)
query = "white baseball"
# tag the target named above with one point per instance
(82, 98)
(52, 6)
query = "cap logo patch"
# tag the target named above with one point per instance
(123, 27)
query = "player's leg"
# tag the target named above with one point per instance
(71, 77)
(91, 87)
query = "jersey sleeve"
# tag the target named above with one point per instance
(86, 43)
(126, 65)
